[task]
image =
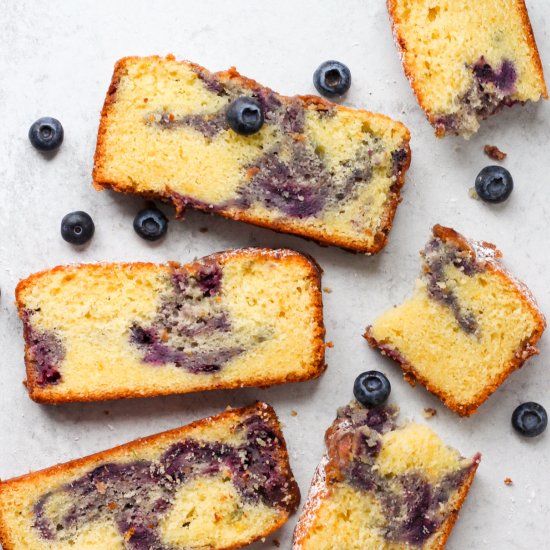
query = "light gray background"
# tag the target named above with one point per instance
(57, 59)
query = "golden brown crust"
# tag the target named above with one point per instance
(526, 350)
(263, 409)
(535, 56)
(417, 89)
(317, 367)
(380, 238)
(447, 527)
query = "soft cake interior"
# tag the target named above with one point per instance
(312, 166)
(138, 329)
(464, 328)
(383, 486)
(467, 58)
(193, 488)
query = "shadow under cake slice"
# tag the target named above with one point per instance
(315, 169)
(219, 483)
(383, 486)
(467, 59)
(468, 325)
(249, 317)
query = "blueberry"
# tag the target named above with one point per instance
(371, 388)
(332, 79)
(77, 227)
(150, 224)
(494, 184)
(245, 116)
(530, 419)
(46, 134)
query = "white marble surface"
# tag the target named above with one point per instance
(57, 58)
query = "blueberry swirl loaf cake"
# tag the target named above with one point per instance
(466, 59)
(383, 487)
(314, 169)
(249, 317)
(218, 483)
(468, 325)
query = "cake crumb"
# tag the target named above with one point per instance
(410, 379)
(429, 412)
(293, 413)
(493, 152)
(327, 289)
(276, 543)
(473, 193)
(508, 481)
(203, 229)
(329, 344)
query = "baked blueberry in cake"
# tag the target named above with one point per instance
(467, 326)
(219, 483)
(381, 486)
(467, 59)
(249, 317)
(172, 130)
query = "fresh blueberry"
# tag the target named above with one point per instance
(494, 184)
(530, 419)
(371, 388)
(46, 134)
(77, 227)
(332, 79)
(150, 224)
(245, 116)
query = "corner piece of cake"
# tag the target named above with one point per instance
(467, 60)
(314, 169)
(219, 483)
(468, 325)
(381, 486)
(246, 317)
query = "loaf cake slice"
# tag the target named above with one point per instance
(315, 169)
(383, 487)
(467, 59)
(219, 483)
(249, 317)
(468, 325)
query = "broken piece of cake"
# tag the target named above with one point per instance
(307, 167)
(467, 60)
(383, 486)
(219, 483)
(468, 325)
(245, 317)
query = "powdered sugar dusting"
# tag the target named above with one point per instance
(489, 254)
(317, 492)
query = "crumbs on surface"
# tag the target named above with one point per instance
(293, 413)
(508, 481)
(493, 152)
(473, 193)
(327, 289)
(329, 344)
(276, 543)
(429, 412)
(203, 229)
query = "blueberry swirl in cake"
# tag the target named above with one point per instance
(313, 168)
